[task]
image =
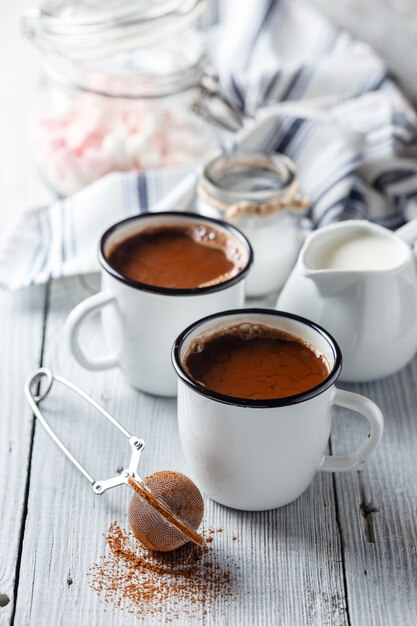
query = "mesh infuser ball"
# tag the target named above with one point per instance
(165, 511)
(166, 508)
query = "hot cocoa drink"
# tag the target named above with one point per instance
(256, 362)
(177, 257)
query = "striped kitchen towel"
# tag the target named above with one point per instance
(306, 89)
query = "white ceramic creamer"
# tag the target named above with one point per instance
(359, 281)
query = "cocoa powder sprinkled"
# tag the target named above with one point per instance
(185, 583)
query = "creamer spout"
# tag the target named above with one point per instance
(330, 282)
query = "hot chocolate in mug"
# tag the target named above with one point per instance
(257, 454)
(141, 320)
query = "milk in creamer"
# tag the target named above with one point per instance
(360, 251)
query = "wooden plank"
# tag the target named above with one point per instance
(288, 561)
(378, 508)
(21, 314)
(21, 318)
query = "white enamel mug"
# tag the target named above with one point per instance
(141, 321)
(262, 454)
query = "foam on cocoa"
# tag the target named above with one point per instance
(179, 257)
(254, 361)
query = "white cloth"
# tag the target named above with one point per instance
(317, 94)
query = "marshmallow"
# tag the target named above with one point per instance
(79, 138)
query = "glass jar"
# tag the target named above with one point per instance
(258, 193)
(120, 81)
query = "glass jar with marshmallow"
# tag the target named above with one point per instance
(259, 193)
(121, 79)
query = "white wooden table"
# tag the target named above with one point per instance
(343, 554)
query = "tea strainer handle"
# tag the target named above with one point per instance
(35, 397)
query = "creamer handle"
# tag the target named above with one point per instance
(408, 232)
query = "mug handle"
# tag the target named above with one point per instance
(372, 413)
(73, 324)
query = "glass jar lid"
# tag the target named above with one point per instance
(95, 28)
(131, 49)
(253, 176)
(152, 71)
(251, 183)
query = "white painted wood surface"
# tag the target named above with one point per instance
(21, 315)
(378, 509)
(343, 554)
(300, 574)
(329, 558)
(20, 349)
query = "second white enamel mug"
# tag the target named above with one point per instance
(141, 321)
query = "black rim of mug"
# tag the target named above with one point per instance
(170, 291)
(247, 402)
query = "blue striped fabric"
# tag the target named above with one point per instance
(317, 95)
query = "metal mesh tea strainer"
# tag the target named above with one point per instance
(166, 508)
